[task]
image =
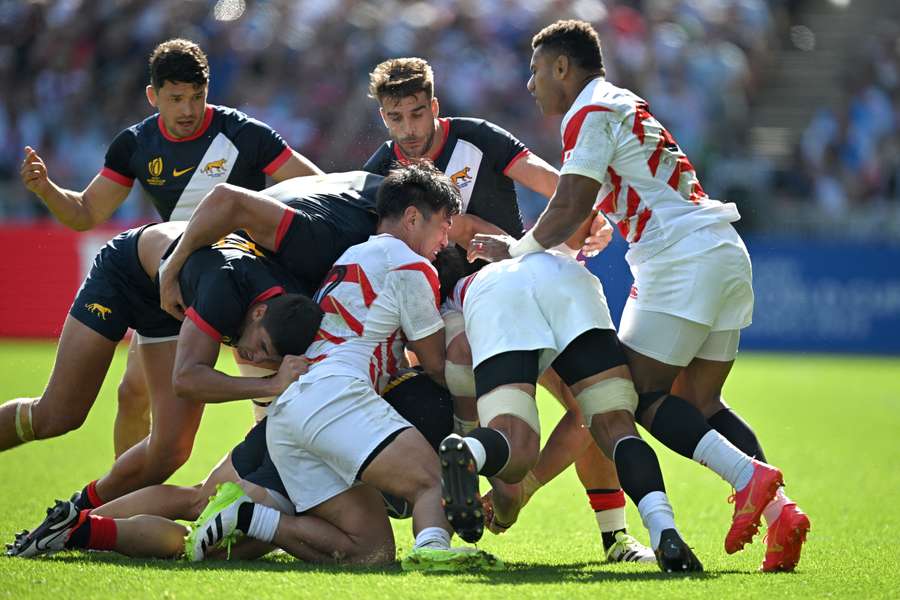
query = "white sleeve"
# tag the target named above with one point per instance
(593, 150)
(416, 298)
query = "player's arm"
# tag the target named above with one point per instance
(195, 377)
(431, 355)
(466, 226)
(416, 290)
(225, 209)
(296, 165)
(77, 210)
(535, 173)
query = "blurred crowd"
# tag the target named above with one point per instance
(73, 74)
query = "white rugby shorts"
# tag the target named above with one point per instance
(319, 434)
(541, 301)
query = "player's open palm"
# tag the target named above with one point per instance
(489, 247)
(34, 172)
(292, 367)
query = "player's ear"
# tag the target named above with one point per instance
(259, 311)
(561, 66)
(151, 96)
(383, 116)
(435, 107)
(411, 215)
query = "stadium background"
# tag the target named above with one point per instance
(791, 108)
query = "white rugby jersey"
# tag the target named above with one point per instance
(650, 188)
(378, 295)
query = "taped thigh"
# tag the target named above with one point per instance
(509, 401)
(607, 396)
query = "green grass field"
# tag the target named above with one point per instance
(831, 423)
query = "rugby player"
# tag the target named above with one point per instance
(692, 289)
(485, 162)
(142, 523)
(178, 155)
(332, 428)
(236, 296)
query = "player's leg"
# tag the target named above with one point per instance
(83, 357)
(658, 346)
(133, 410)
(174, 424)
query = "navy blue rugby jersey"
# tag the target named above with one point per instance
(177, 173)
(324, 215)
(476, 155)
(220, 283)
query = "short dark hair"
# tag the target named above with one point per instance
(451, 268)
(576, 39)
(417, 184)
(178, 61)
(291, 320)
(401, 77)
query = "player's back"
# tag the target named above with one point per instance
(371, 296)
(650, 188)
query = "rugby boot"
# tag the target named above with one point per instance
(674, 556)
(450, 559)
(459, 489)
(50, 536)
(784, 539)
(749, 504)
(627, 549)
(217, 524)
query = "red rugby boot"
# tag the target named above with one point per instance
(784, 540)
(749, 504)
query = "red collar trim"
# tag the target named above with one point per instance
(445, 133)
(207, 119)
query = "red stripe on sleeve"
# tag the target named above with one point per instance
(279, 160)
(515, 159)
(117, 177)
(430, 275)
(275, 290)
(574, 125)
(283, 227)
(205, 327)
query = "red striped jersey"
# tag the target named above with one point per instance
(378, 295)
(650, 188)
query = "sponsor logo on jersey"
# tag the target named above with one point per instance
(215, 168)
(461, 178)
(155, 168)
(633, 292)
(179, 173)
(98, 310)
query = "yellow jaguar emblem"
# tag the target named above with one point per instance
(215, 168)
(98, 310)
(461, 178)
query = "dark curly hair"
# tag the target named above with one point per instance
(576, 39)
(178, 61)
(417, 184)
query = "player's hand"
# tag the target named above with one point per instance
(34, 172)
(489, 247)
(170, 298)
(599, 238)
(292, 367)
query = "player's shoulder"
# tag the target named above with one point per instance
(143, 129)
(381, 160)
(474, 129)
(233, 120)
(605, 100)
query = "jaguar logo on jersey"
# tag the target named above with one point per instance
(215, 168)
(155, 168)
(461, 178)
(98, 310)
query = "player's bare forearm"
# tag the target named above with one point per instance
(432, 355)
(296, 166)
(204, 384)
(67, 206)
(534, 173)
(570, 205)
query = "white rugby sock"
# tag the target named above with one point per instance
(773, 508)
(717, 453)
(263, 523)
(433, 537)
(657, 515)
(477, 450)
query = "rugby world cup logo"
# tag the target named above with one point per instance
(155, 167)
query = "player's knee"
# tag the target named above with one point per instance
(133, 397)
(375, 550)
(166, 457)
(608, 396)
(52, 423)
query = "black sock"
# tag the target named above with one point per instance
(738, 432)
(80, 535)
(496, 449)
(679, 425)
(82, 501)
(609, 537)
(638, 469)
(245, 515)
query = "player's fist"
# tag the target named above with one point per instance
(170, 298)
(599, 238)
(292, 367)
(34, 172)
(489, 247)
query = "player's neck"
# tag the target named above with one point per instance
(582, 81)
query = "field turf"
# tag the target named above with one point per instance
(831, 423)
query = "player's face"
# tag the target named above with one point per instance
(429, 236)
(181, 106)
(412, 123)
(255, 344)
(543, 85)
